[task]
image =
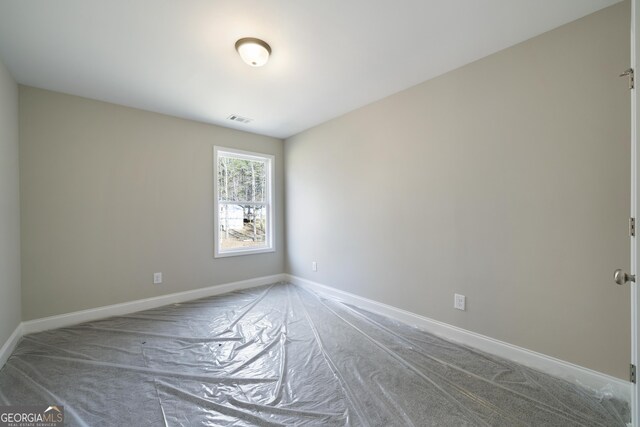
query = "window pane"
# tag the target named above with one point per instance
(241, 180)
(242, 226)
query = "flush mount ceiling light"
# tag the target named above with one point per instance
(254, 52)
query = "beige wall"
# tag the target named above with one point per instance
(506, 180)
(9, 207)
(111, 195)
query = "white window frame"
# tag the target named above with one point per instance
(269, 198)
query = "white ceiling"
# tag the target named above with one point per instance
(329, 56)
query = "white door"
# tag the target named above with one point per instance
(635, 198)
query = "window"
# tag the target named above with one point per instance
(243, 197)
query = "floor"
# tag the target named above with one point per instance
(280, 355)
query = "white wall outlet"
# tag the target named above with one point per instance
(314, 266)
(157, 278)
(459, 301)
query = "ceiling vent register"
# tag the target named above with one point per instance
(239, 119)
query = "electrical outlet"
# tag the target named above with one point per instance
(459, 301)
(157, 278)
(314, 266)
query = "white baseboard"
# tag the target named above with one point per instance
(577, 374)
(10, 345)
(599, 382)
(76, 317)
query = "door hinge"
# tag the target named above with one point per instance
(632, 227)
(629, 73)
(632, 373)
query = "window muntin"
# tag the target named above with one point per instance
(243, 202)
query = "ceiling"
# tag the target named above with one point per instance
(329, 57)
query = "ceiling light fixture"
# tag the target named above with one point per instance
(254, 52)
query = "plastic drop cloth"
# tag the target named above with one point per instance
(280, 355)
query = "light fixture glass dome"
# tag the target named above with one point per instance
(254, 52)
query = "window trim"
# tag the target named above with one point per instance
(270, 196)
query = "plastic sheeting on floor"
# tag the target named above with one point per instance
(280, 355)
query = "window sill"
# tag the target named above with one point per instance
(243, 252)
